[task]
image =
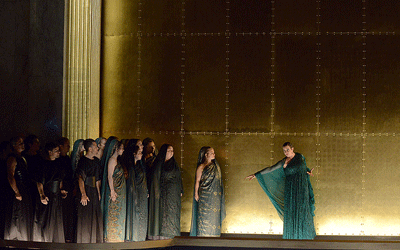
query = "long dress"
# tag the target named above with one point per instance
(209, 212)
(165, 200)
(137, 203)
(290, 191)
(19, 214)
(48, 224)
(90, 219)
(115, 211)
(68, 204)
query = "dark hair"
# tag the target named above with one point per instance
(88, 143)
(29, 141)
(61, 141)
(145, 142)
(287, 144)
(49, 147)
(14, 140)
(202, 155)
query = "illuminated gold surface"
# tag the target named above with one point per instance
(194, 67)
(81, 112)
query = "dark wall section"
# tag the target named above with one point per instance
(31, 68)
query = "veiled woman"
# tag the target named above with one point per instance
(288, 186)
(137, 208)
(114, 194)
(208, 210)
(48, 226)
(149, 156)
(77, 153)
(19, 215)
(165, 196)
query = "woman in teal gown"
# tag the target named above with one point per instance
(165, 196)
(287, 184)
(208, 210)
(136, 188)
(114, 194)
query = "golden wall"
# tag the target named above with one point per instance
(246, 76)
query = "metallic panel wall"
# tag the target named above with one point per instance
(246, 76)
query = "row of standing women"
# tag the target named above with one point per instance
(119, 193)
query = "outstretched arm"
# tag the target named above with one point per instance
(266, 170)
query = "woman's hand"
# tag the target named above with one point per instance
(310, 172)
(44, 199)
(113, 195)
(64, 193)
(250, 177)
(196, 196)
(18, 196)
(84, 200)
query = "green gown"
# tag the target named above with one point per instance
(291, 193)
(114, 212)
(209, 212)
(165, 198)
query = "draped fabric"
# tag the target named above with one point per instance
(148, 163)
(48, 224)
(114, 212)
(142, 200)
(19, 214)
(137, 202)
(90, 219)
(165, 197)
(297, 196)
(68, 203)
(75, 155)
(209, 212)
(131, 195)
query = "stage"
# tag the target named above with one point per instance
(229, 241)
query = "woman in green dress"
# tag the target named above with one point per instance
(165, 196)
(136, 188)
(288, 186)
(114, 194)
(208, 210)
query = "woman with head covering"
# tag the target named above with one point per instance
(165, 196)
(49, 225)
(149, 155)
(208, 209)
(114, 194)
(19, 218)
(104, 157)
(77, 153)
(137, 209)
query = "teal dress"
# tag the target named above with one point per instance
(291, 193)
(209, 212)
(115, 211)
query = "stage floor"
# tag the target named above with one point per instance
(229, 242)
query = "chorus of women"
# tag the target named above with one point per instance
(105, 190)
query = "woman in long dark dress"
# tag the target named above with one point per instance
(19, 218)
(165, 196)
(48, 225)
(288, 186)
(33, 161)
(137, 194)
(208, 210)
(148, 158)
(90, 218)
(114, 194)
